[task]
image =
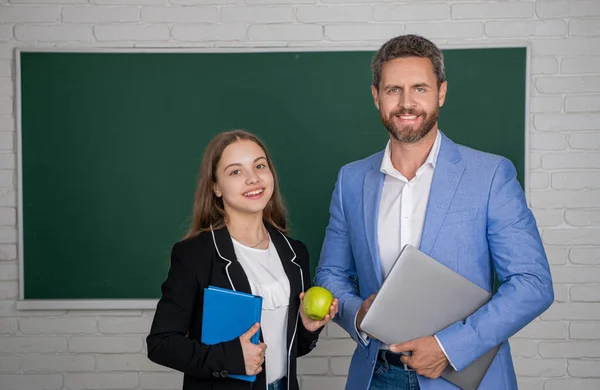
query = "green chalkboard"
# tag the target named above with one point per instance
(112, 142)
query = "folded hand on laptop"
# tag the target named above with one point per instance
(363, 311)
(426, 357)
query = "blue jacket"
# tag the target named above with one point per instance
(477, 221)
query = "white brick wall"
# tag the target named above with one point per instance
(106, 349)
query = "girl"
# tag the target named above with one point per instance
(237, 241)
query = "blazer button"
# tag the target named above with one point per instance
(224, 374)
(216, 374)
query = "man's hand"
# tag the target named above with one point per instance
(427, 357)
(363, 311)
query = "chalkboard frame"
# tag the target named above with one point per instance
(150, 304)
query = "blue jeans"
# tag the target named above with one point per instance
(279, 384)
(392, 377)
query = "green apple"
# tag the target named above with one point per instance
(316, 302)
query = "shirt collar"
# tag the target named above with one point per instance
(388, 168)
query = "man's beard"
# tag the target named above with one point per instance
(408, 134)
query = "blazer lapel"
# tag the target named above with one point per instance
(288, 260)
(294, 274)
(226, 253)
(448, 171)
(373, 185)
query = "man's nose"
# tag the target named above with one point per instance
(406, 100)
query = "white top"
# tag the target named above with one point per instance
(268, 279)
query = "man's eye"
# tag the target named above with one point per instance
(420, 89)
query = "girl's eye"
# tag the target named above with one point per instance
(235, 172)
(261, 166)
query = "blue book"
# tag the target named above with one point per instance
(227, 315)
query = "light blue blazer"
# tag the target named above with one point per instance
(477, 221)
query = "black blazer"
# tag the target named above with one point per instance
(209, 258)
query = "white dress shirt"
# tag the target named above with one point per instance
(402, 208)
(268, 279)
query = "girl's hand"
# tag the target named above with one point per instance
(254, 355)
(313, 325)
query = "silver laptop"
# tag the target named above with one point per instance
(420, 297)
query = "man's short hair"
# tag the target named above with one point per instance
(408, 46)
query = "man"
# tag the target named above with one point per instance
(463, 207)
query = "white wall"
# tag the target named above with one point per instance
(106, 350)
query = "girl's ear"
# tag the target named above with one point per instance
(217, 190)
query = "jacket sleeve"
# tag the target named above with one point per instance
(522, 269)
(307, 340)
(168, 343)
(337, 270)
